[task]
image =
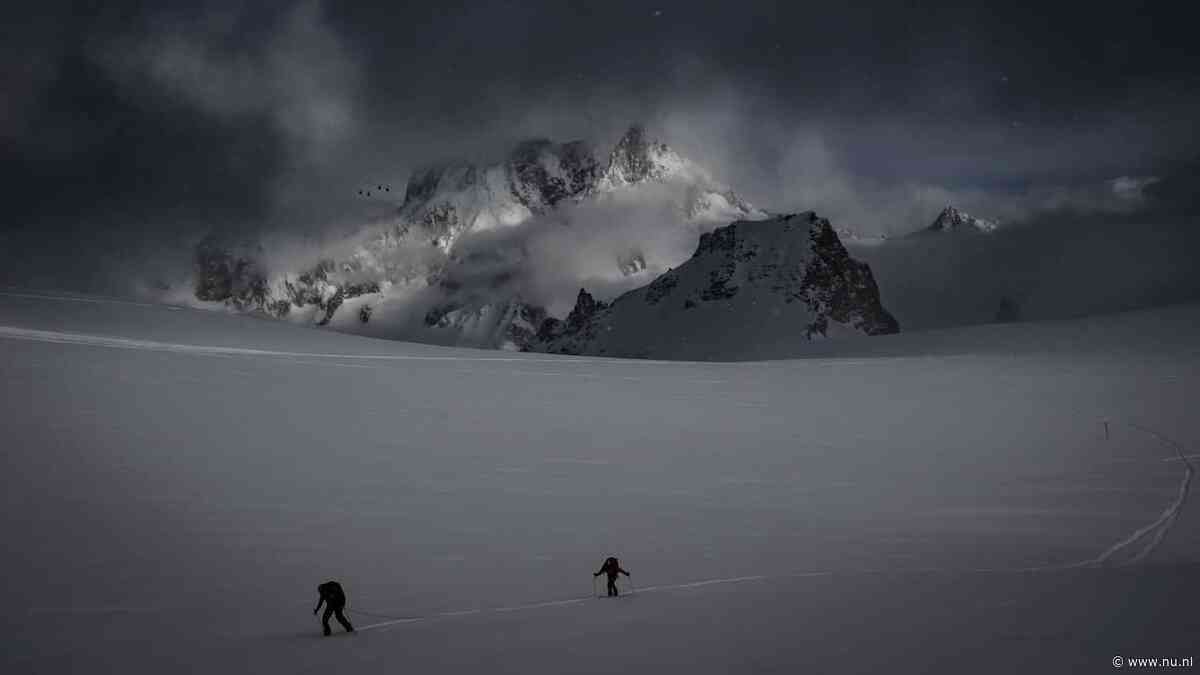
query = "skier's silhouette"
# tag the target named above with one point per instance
(612, 568)
(334, 599)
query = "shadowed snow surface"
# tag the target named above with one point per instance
(177, 483)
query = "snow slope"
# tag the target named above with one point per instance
(177, 482)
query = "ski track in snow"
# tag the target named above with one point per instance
(1161, 525)
(1172, 510)
(395, 621)
(60, 337)
(82, 298)
(318, 358)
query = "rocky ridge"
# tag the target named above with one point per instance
(752, 287)
(445, 202)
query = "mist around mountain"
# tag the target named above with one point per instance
(964, 269)
(485, 254)
(479, 255)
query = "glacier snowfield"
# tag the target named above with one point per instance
(177, 483)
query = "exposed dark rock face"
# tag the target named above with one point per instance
(633, 158)
(837, 287)
(214, 273)
(542, 173)
(548, 330)
(519, 326)
(225, 276)
(586, 307)
(319, 288)
(364, 288)
(579, 162)
(749, 270)
(236, 279)
(719, 283)
(661, 287)
(306, 289)
(578, 325)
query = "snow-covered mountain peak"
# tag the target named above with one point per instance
(751, 287)
(953, 220)
(637, 158)
(536, 175)
(444, 202)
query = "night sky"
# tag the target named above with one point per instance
(127, 128)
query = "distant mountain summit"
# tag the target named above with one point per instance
(752, 289)
(445, 202)
(637, 158)
(759, 287)
(953, 220)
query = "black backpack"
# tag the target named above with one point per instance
(332, 592)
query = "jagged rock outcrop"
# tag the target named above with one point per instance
(543, 173)
(509, 325)
(953, 220)
(230, 275)
(752, 289)
(323, 290)
(578, 325)
(637, 159)
(444, 202)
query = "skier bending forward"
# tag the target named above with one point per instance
(334, 599)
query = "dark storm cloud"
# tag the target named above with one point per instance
(130, 127)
